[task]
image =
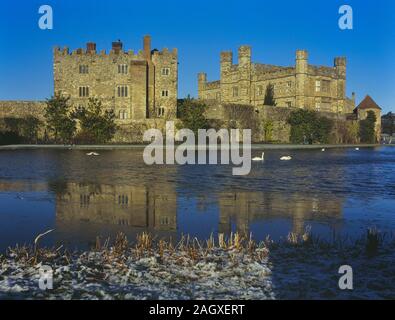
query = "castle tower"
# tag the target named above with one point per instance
(244, 59)
(226, 62)
(301, 77)
(226, 66)
(202, 80)
(150, 112)
(340, 65)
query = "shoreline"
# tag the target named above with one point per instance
(257, 146)
(234, 268)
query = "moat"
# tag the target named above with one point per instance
(340, 192)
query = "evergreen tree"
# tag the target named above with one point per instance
(192, 114)
(368, 128)
(269, 96)
(97, 126)
(58, 119)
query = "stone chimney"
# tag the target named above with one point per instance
(117, 46)
(147, 47)
(91, 47)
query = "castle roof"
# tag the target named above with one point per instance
(368, 103)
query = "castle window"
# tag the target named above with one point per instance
(325, 84)
(235, 92)
(318, 86)
(123, 200)
(165, 71)
(84, 200)
(122, 91)
(289, 104)
(84, 69)
(84, 91)
(289, 84)
(123, 114)
(161, 112)
(318, 106)
(218, 96)
(165, 93)
(123, 68)
(164, 221)
(260, 90)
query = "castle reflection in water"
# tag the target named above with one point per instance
(134, 206)
(85, 210)
(154, 209)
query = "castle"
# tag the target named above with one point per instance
(142, 89)
(318, 88)
(136, 86)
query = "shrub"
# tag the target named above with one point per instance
(59, 121)
(9, 137)
(192, 114)
(308, 126)
(97, 125)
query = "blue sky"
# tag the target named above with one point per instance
(200, 29)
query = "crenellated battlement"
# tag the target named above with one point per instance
(135, 84)
(88, 52)
(301, 85)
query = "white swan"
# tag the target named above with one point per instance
(323, 150)
(357, 149)
(286, 158)
(258, 158)
(92, 154)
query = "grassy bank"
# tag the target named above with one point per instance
(299, 267)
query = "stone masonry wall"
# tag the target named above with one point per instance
(262, 115)
(21, 109)
(320, 88)
(150, 78)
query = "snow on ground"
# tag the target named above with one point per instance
(282, 271)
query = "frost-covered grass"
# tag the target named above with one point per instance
(234, 267)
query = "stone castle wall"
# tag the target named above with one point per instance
(318, 88)
(131, 132)
(22, 109)
(135, 86)
(259, 118)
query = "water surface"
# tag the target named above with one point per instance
(340, 192)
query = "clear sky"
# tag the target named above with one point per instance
(200, 29)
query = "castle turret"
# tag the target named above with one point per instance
(226, 61)
(226, 67)
(244, 69)
(202, 80)
(340, 65)
(301, 70)
(244, 55)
